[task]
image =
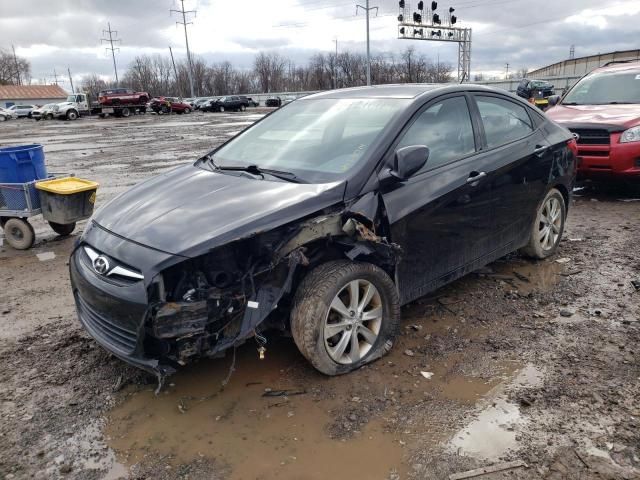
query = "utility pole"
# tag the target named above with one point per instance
(506, 76)
(367, 9)
(55, 76)
(186, 41)
(572, 52)
(70, 80)
(175, 72)
(113, 50)
(15, 59)
(335, 65)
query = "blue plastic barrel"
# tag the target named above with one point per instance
(22, 164)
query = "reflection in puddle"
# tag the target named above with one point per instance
(528, 277)
(44, 256)
(492, 433)
(257, 437)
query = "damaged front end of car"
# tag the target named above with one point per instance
(199, 307)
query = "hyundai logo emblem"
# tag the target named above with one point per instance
(101, 265)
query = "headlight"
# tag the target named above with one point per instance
(631, 135)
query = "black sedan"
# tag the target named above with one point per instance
(228, 103)
(322, 219)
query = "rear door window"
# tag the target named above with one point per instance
(504, 121)
(445, 128)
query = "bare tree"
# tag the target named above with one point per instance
(269, 68)
(14, 70)
(92, 84)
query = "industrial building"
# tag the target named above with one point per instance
(30, 94)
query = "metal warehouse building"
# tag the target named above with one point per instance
(30, 94)
(577, 67)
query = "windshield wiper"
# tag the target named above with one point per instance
(255, 170)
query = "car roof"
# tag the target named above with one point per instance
(406, 91)
(631, 66)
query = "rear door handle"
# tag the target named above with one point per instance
(540, 149)
(475, 177)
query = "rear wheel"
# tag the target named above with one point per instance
(242, 108)
(345, 315)
(19, 233)
(125, 112)
(548, 226)
(63, 229)
(187, 110)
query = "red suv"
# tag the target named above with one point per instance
(603, 109)
(169, 104)
(122, 96)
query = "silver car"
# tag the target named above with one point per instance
(22, 110)
(6, 114)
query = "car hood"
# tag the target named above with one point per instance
(189, 210)
(622, 115)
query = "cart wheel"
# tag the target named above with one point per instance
(19, 233)
(63, 229)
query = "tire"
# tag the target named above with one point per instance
(312, 316)
(242, 108)
(38, 119)
(49, 116)
(187, 110)
(19, 233)
(542, 245)
(63, 229)
(125, 112)
(72, 115)
(3, 118)
(102, 115)
(221, 109)
(164, 109)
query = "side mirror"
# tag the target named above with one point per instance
(553, 100)
(408, 160)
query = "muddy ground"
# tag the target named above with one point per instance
(529, 362)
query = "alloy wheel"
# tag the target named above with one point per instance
(353, 322)
(549, 223)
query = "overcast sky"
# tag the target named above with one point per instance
(525, 33)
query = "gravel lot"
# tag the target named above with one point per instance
(534, 362)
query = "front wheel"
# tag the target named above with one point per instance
(345, 314)
(221, 109)
(187, 110)
(548, 226)
(63, 229)
(49, 116)
(72, 115)
(242, 108)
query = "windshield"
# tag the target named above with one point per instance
(605, 88)
(317, 140)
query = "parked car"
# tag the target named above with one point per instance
(536, 91)
(6, 114)
(201, 101)
(323, 219)
(273, 102)
(228, 103)
(46, 112)
(168, 105)
(22, 110)
(122, 96)
(248, 101)
(288, 99)
(603, 110)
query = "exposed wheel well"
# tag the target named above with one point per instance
(565, 193)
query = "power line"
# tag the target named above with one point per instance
(111, 40)
(186, 40)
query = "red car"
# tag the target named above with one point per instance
(122, 96)
(169, 104)
(603, 109)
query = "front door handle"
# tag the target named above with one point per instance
(475, 177)
(540, 149)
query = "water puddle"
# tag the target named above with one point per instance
(494, 430)
(255, 436)
(161, 124)
(231, 124)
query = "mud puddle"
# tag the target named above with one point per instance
(525, 276)
(495, 429)
(270, 437)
